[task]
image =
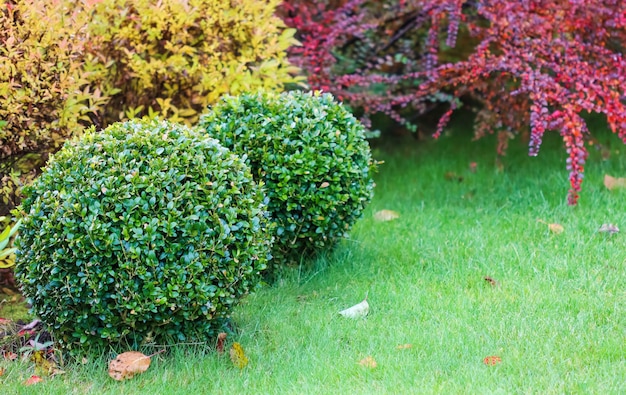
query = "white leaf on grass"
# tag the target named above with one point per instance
(386, 215)
(608, 228)
(356, 311)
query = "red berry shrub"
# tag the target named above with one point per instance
(537, 63)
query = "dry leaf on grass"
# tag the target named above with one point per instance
(612, 183)
(221, 338)
(404, 346)
(556, 228)
(2, 370)
(452, 176)
(368, 362)
(128, 364)
(492, 360)
(238, 356)
(43, 366)
(608, 228)
(33, 380)
(491, 281)
(9, 356)
(356, 311)
(386, 215)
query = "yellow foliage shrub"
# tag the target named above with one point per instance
(175, 57)
(43, 90)
(66, 64)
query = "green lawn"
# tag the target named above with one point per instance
(557, 317)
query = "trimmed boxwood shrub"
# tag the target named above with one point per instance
(147, 231)
(311, 154)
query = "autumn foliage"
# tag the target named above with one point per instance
(534, 65)
(66, 65)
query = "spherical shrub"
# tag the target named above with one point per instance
(146, 231)
(312, 156)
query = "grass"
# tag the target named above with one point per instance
(556, 317)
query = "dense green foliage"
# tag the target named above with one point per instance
(148, 231)
(311, 154)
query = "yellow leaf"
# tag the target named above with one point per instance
(368, 362)
(386, 215)
(612, 183)
(238, 356)
(404, 346)
(43, 367)
(556, 228)
(128, 364)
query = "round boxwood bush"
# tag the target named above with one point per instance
(147, 231)
(312, 156)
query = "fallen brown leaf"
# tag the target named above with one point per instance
(491, 281)
(221, 338)
(368, 362)
(612, 183)
(2, 370)
(452, 176)
(128, 364)
(386, 215)
(8, 291)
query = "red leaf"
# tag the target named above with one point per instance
(33, 380)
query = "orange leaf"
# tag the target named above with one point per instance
(368, 362)
(492, 360)
(33, 380)
(612, 183)
(129, 363)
